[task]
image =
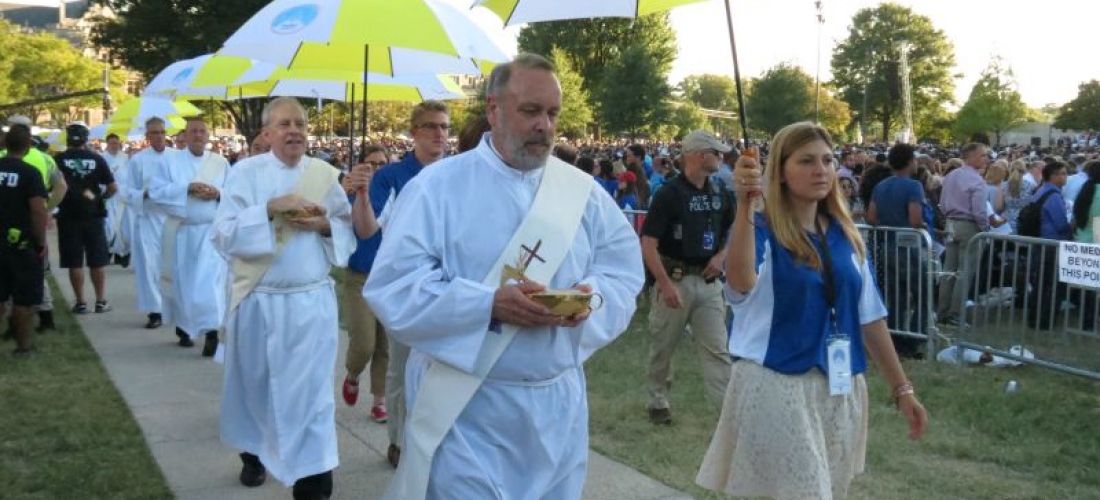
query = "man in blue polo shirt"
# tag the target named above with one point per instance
(898, 202)
(430, 124)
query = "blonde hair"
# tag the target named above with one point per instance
(425, 107)
(778, 208)
(1016, 171)
(996, 172)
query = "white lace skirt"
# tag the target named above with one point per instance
(784, 437)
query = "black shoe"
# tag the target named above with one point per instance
(45, 321)
(393, 455)
(102, 306)
(154, 321)
(185, 339)
(315, 487)
(253, 472)
(80, 308)
(660, 416)
(210, 346)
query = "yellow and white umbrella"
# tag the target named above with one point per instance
(514, 12)
(139, 109)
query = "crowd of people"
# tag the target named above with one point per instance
(447, 257)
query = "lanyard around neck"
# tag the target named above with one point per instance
(826, 268)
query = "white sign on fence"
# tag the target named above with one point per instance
(1079, 264)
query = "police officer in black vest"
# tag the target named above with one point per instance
(683, 244)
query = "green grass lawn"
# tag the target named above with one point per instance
(1041, 442)
(65, 431)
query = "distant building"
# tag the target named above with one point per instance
(1035, 134)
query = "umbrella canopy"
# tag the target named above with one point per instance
(344, 86)
(142, 108)
(134, 131)
(393, 37)
(202, 77)
(514, 12)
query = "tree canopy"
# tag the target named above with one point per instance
(576, 112)
(866, 65)
(36, 65)
(784, 94)
(1083, 112)
(623, 63)
(994, 105)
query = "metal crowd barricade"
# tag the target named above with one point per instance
(905, 264)
(1016, 306)
(636, 218)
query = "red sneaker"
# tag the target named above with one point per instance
(378, 414)
(351, 391)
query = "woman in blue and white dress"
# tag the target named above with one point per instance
(794, 418)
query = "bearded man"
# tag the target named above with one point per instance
(496, 387)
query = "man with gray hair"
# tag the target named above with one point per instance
(282, 223)
(148, 220)
(495, 309)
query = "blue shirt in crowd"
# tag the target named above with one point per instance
(387, 182)
(1054, 224)
(892, 198)
(766, 328)
(609, 185)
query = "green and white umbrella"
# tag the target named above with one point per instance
(139, 109)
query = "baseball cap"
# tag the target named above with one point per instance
(700, 140)
(76, 134)
(19, 120)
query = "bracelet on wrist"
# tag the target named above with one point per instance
(903, 389)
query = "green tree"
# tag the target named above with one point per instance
(865, 65)
(634, 93)
(784, 94)
(576, 112)
(994, 105)
(685, 117)
(148, 35)
(38, 65)
(714, 92)
(599, 50)
(1083, 112)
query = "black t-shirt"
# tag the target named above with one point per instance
(86, 173)
(690, 224)
(19, 182)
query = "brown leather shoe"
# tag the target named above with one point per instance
(393, 455)
(660, 416)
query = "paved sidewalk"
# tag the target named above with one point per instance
(174, 393)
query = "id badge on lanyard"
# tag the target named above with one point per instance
(708, 240)
(838, 347)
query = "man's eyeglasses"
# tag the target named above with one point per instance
(375, 164)
(442, 127)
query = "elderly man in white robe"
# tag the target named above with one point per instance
(148, 220)
(193, 273)
(283, 222)
(118, 219)
(496, 386)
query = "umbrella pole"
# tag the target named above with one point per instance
(351, 131)
(737, 78)
(366, 70)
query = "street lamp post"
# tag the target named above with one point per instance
(817, 78)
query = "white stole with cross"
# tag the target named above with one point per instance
(543, 240)
(213, 168)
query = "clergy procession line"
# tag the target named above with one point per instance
(480, 382)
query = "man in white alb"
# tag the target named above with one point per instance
(495, 387)
(118, 219)
(193, 274)
(282, 223)
(148, 220)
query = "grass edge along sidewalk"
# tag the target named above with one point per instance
(65, 431)
(1040, 442)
